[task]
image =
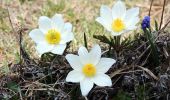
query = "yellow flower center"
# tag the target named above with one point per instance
(118, 25)
(89, 70)
(53, 36)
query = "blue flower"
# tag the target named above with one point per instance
(146, 22)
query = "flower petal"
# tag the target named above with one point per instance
(67, 27)
(44, 24)
(131, 23)
(37, 35)
(59, 49)
(86, 85)
(66, 33)
(74, 61)
(83, 55)
(74, 76)
(82, 51)
(119, 10)
(43, 48)
(131, 13)
(95, 54)
(132, 18)
(104, 64)
(106, 14)
(118, 33)
(102, 80)
(66, 37)
(131, 28)
(58, 22)
(103, 22)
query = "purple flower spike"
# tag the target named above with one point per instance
(146, 22)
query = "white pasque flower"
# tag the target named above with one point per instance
(118, 20)
(52, 34)
(89, 69)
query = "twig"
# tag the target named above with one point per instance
(130, 72)
(148, 41)
(20, 95)
(10, 21)
(162, 14)
(49, 74)
(20, 44)
(86, 98)
(144, 52)
(150, 8)
(166, 54)
(149, 72)
(116, 80)
(118, 72)
(42, 89)
(144, 86)
(146, 59)
(56, 82)
(165, 25)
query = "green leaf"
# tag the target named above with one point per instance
(13, 86)
(4, 69)
(141, 92)
(47, 57)
(102, 38)
(117, 41)
(156, 26)
(153, 46)
(122, 95)
(17, 58)
(85, 41)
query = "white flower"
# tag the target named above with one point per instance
(89, 69)
(52, 34)
(118, 20)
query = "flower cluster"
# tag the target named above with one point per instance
(146, 22)
(89, 68)
(118, 20)
(52, 34)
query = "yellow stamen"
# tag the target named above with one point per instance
(89, 70)
(118, 25)
(53, 36)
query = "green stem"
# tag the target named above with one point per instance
(117, 43)
(110, 47)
